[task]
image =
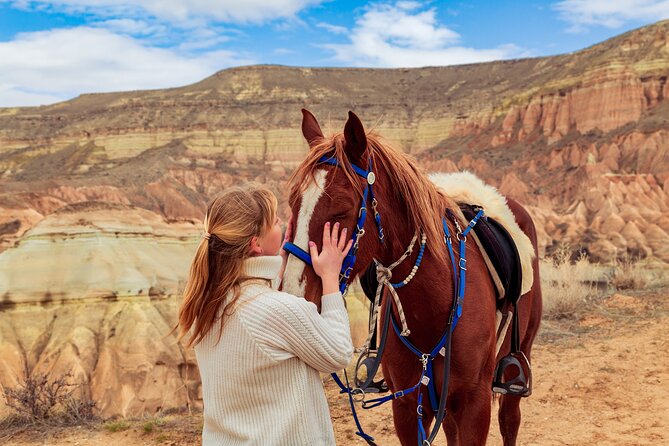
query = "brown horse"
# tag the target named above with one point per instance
(408, 203)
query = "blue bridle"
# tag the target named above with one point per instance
(349, 261)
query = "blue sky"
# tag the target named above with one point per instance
(53, 50)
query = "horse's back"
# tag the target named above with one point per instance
(524, 220)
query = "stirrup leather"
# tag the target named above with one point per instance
(519, 385)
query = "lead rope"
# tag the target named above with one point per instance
(383, 276)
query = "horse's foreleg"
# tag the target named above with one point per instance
(509, 406)
(405, 418)
(450, 429)
(473, 418)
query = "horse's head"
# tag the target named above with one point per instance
(330, 186)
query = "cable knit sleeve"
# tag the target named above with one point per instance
(286, 326)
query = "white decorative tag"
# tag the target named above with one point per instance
(425, 381)
(442, 352)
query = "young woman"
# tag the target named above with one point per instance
(259, 350)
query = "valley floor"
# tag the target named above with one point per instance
(603, 379)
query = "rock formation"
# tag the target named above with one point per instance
(91, 290)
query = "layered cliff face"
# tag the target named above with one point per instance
(91, 291)
(101, 197)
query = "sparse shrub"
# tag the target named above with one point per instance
(629, 274)
(78, 410)
(41, 399)
(567, 286)
(116, 426)
(148, 427)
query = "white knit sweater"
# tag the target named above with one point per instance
(260, 383)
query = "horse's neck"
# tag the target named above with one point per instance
(399, 233)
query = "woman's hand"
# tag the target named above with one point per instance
(284, 254)
(286, 238)
(327, 263)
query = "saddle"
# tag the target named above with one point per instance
(503, 258)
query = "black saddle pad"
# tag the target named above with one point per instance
(501, 250)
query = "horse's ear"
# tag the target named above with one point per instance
(311, 129)
(356, 140)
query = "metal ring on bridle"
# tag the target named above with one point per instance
(358, 395)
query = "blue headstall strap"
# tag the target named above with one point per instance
(349, 260)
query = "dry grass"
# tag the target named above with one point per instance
(41, 398)
(634, 274)
(568, 286)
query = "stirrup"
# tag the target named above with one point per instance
(520, 385)
(366, 360)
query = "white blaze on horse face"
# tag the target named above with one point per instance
(292, 276)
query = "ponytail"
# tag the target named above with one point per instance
(213, 284)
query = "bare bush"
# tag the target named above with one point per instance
(53, 401)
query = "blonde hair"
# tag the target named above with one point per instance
(233, 218)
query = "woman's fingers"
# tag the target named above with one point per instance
(313, 250)
(348, 248)
(333, 239)
(289, 229)
(342, 240)
(326, 235)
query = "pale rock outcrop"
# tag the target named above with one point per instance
(106, 278)
(513, 187)
(94, 250)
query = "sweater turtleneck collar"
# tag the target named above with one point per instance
(262, 267)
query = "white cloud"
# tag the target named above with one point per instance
(42, 67)
(334, 29)
(404, 35)
(608, 13)
(13, 95)
(132, 27)
(179, 11)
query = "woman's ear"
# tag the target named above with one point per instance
(254, 247)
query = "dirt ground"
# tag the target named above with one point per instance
(603, 379)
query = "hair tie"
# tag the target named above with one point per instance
(206, 235)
